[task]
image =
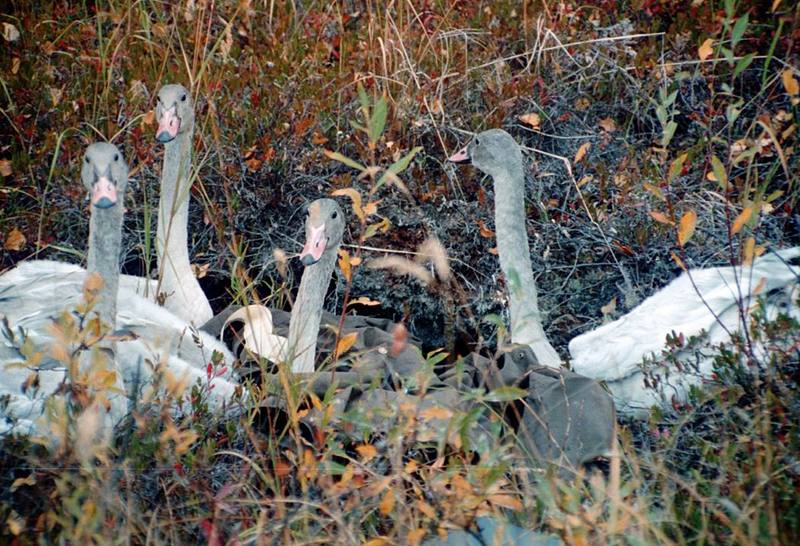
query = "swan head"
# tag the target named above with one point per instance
(104, 173)
(174, 112)
(493, 152)
(324, 230)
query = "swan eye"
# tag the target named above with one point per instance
(86, 159)
(116, 157)
(335, 214)
(477, 142)
(183, 97)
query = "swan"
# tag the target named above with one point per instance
(613, 352)
(36, 291)
(185, 298)
(497, 154)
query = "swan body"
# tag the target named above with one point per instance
(177, 281)
(497, 154)
(36, 292)
(614, 351)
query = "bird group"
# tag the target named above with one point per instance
(161, 318)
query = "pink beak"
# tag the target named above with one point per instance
(315, 246)
(459, 156)
(168, 125)
(104, 193)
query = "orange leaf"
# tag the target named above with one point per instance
(435, 412)
(387, 503)
(741, 220)
(149, 118)
(367, 451)
(355, 197)
(705, 50)
(686, 227)
(532, 119)
(485, 231)
(15, 240)
(678, 261)
(790, 83)
(426, 509)
(582, 151)
(399, 339)
(506, 501)
(376, 542)
(415, 536)
(318, 139)
(344, 264)
(661, 217)
(345, 343)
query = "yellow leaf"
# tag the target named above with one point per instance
(344, 264)
(367, 451)
(355, 197)
(582, 151)
(387, 503)
(762, 282)
(149, 118)
(655, 190)
(678, 261)
(705, 50)
(610, 307)
(686, 226)
(15, 240)
(5, 167)
(506, 501)
(426, 509)
(411, 467)
(10, 32)
(347, 476)
(741, 220)
(345, 343)
(415, 536)
(371, 208)
(15, 523)
(532, 119)
(435, 412)
(363, 300)
(748, 252)
(790, 83)
(19, 482)
(376, 542)
(608, 125)
(661, 217)
(93, 282)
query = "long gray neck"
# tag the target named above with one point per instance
(307, 313)
(515, 262)
(177, 280)
(105, 236)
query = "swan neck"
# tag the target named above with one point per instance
(173, 203)
(307, 313)
(515, 262)
(105, 236)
